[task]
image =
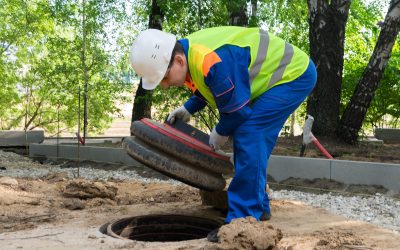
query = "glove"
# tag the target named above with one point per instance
(179, 113)
(217, 140)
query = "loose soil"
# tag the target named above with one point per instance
(58, 213)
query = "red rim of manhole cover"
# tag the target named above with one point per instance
(181, 145)
(190, 141)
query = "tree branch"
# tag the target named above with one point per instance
(34, 114)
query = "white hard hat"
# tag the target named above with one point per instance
(150, 56)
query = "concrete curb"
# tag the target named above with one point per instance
(14, 138)
(348, 172)
(89, 153)
(280, 167)
(388, 135)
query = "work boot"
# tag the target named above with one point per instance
(265, 216)
(213, 235)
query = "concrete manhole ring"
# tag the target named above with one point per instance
(162, 228)
(160, 161)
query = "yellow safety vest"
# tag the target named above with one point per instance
(273, 61)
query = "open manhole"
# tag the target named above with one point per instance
(164, 228)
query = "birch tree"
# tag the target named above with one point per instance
(356, 110)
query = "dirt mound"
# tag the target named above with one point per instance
(326, 240)
(338, 240)
(10, 195)
(84, 189)
(7, 181)
(247, 233)
(56, 177)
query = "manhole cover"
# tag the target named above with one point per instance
(182, 145)
(164, 228)
(178, 154)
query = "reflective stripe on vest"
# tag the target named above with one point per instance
(287, 57)
(261, 55)
(273, 61)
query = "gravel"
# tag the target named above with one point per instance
(84, 172)
(17, 166)
(377, 209)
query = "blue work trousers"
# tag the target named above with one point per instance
(254, 140)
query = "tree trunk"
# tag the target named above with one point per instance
(253, 18)
(143, 98)
(327, 21)
(356, 110)
(142, 103)
(237, 12)
(85, 75)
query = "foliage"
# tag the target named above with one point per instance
(286, 19)
(183, 17)
(361, 35)
(42, 68)
(385, 107)
(22, 23)
(48, 66)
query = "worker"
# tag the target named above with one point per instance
(254, 79)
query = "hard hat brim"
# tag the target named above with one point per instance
(149, 85)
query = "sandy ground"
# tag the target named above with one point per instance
(46, 214)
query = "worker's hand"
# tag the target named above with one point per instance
(179, 113)
(217, 140)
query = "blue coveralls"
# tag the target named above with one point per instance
(254, 125)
